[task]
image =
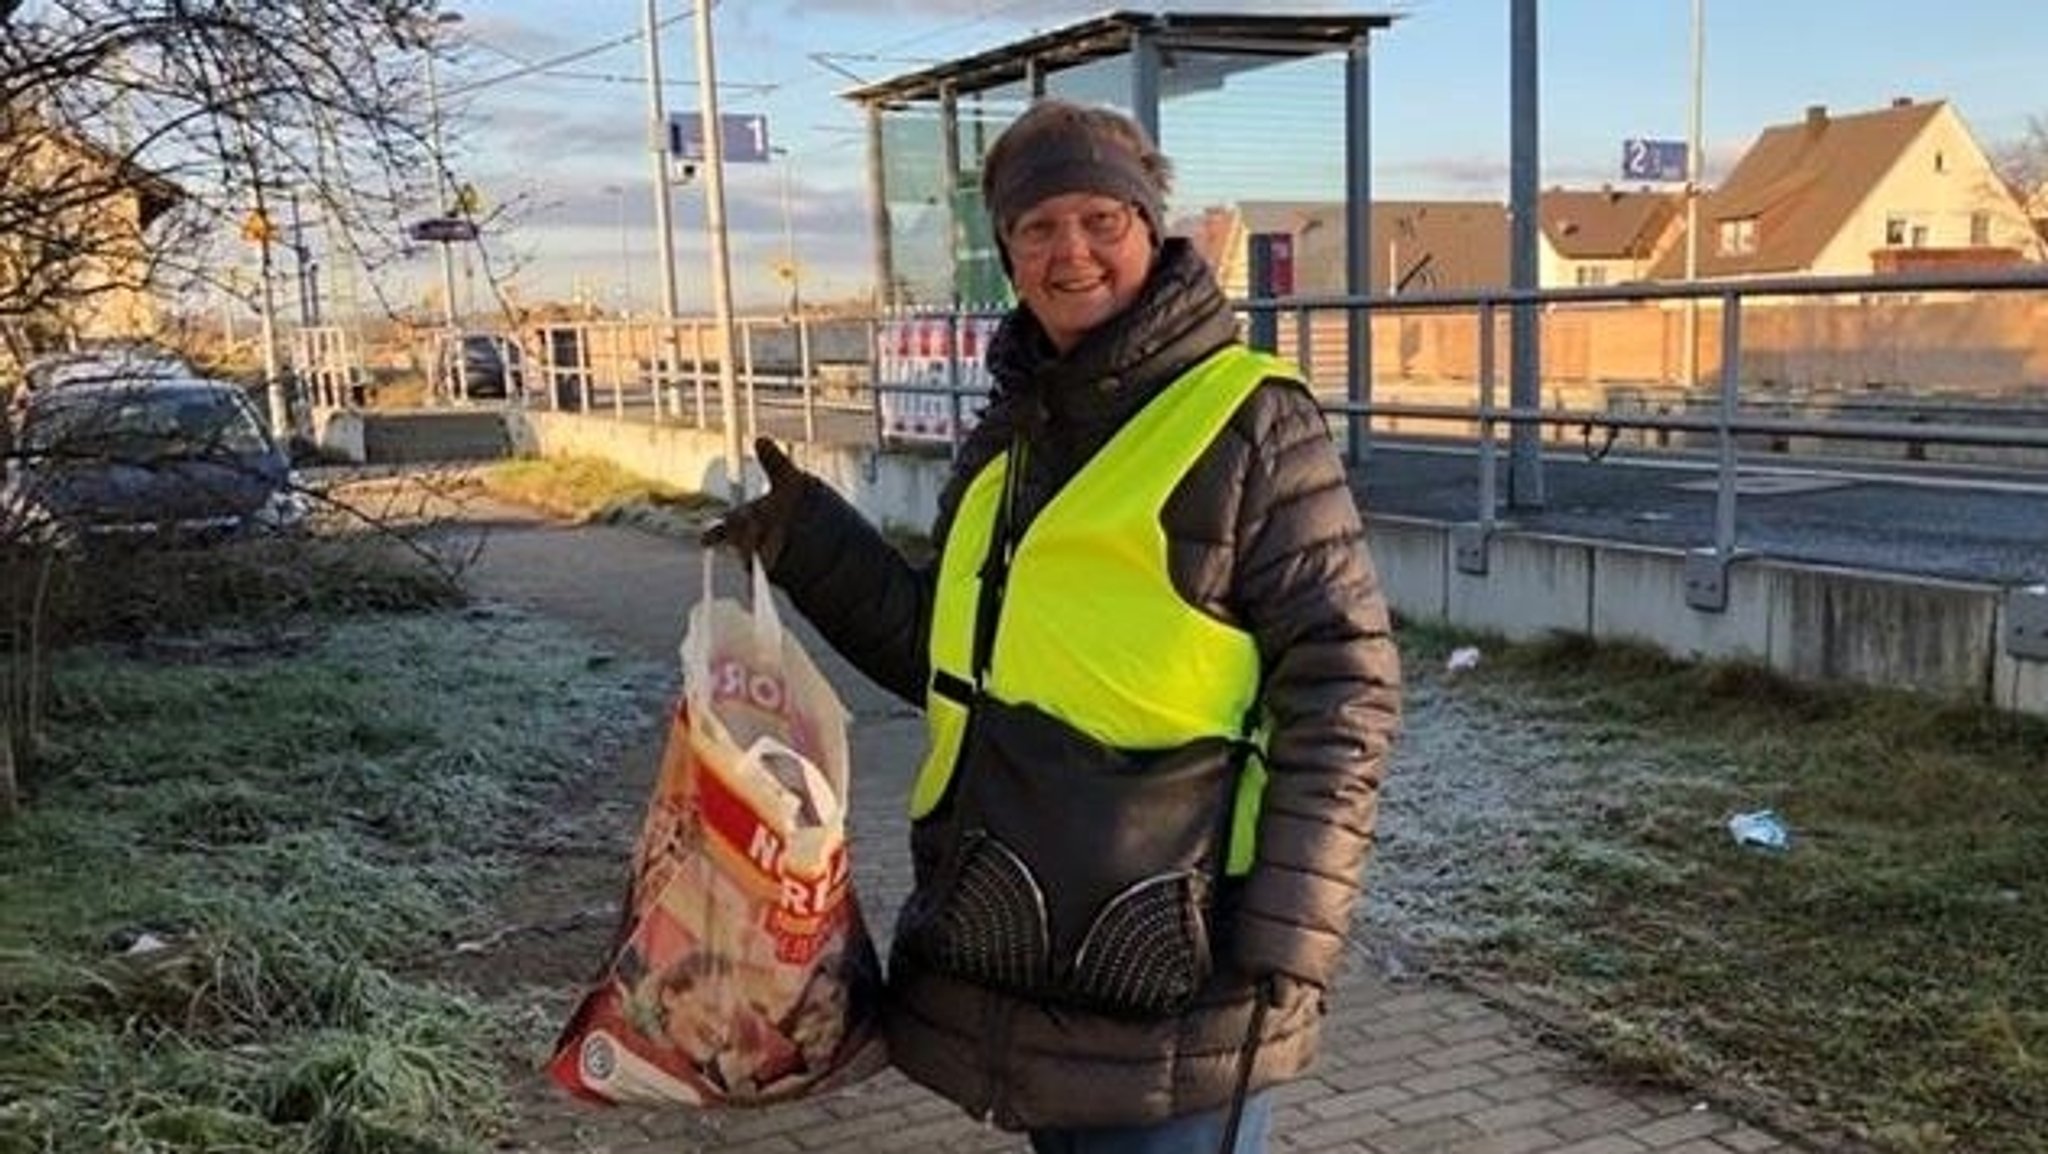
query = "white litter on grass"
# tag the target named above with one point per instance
(1462, 658)
(1761, 828)
(147, 943)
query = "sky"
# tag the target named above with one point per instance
(562, 148)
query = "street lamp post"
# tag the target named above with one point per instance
(796, 306)
(789, 266)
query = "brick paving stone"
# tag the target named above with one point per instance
(1672, 1129)
(1379, 1073)
(1513, 1087)
(1439, 1135)
(1469, 1076)
(771, 1144)
(1530, 1060)
(1337, 1131)
(1604, 1144)
(1515, 1115)
(1477, 1026)
(1616, 1117)
(1749, 1140)
(1384, 1098)
(1526, 1140)
(1454, 1104)
(1461, 1053)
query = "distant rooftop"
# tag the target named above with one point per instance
(1111, 35)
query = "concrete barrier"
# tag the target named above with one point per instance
(1814, 623)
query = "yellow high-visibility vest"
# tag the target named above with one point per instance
(1092, 630)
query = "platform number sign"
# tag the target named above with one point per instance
(1653, 160)
(742, 137)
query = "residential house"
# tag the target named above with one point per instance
(1417, 246)
(1604, 236)
(1898, 188)
(73, 224)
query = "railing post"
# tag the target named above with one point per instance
(1731, 384)
(746, 335)
(1706, 570)
(1471, 544)
(1304, 343)
(875, 382)
(807, 379)
(623, 354)
(697, 367)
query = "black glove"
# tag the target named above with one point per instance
(758, 528)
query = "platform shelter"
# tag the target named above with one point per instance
(1247, 105)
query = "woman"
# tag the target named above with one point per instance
(1152, 620)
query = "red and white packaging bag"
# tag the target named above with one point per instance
(743, 972)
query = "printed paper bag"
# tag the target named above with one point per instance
(743, 972)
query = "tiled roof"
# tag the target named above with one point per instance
(1605, 224)
(1418, 246)
(1801, 182)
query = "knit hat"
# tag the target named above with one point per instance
(1057, 147)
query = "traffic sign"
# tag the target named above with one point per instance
(742, 136)
(1655, 160)
(442, 229)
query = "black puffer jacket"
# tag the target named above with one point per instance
(1264, 534)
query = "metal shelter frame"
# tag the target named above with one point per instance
(1157, 45)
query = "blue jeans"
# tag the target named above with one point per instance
(1193, 1134)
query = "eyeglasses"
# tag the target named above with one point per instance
(1102, 227)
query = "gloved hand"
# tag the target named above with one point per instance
(758, 528)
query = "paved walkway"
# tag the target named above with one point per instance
(1409, 1065)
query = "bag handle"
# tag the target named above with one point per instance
(767, 619)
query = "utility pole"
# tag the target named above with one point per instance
(443, 187)
(1525, 367)
(721, 257)
(664, 208)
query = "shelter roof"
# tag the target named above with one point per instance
(1112, 34)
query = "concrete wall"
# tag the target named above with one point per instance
(1809, 622)
(1812, 623)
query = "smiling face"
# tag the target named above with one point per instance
(1078, 259)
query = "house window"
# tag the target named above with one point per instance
(1980, 229)
(1894, 231)
(1919, 236)
(1590, 275)
(1738, 236)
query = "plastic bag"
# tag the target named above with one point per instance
(743, 972)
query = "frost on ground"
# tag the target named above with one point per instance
(1483, 798)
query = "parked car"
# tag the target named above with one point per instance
(102, 365)
(174, 457)
(487, 366)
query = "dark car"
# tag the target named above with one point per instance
(169, 457)
(488, 367)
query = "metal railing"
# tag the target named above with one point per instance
(814, 378)
(1727, 423)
